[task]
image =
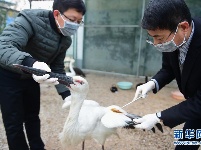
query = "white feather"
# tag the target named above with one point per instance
(67, 103)
(114, 120)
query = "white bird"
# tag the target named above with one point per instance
(87, 119)
(74, 70)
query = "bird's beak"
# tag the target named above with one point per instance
(132, 116)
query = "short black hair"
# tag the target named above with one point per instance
(64, 5)
(165, 14)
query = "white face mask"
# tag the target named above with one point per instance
(169, 46)
(69, 28)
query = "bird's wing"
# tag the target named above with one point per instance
(90, 117)
(67, 103)
(90, 102)
(114, 120)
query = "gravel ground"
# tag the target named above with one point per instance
(53, 116)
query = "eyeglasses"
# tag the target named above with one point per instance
(150, 39)
(80, 22)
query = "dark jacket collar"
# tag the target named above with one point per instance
(53, 23)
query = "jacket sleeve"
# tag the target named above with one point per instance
(165, 75)
(12, 41)
(189, 109)
(57, 66)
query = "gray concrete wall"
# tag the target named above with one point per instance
(114, 41)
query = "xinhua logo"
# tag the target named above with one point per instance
(187, 134)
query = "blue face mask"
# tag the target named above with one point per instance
(169, 46)
(69, 28)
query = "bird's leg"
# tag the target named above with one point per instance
(83, 145)
(103, 147)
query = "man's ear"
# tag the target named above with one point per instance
(56, 14)
(184, 26)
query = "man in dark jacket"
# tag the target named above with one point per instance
(39, 39)
(174, 33)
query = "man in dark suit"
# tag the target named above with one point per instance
(172, 31)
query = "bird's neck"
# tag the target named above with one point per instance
(71, 67)
(76, 104)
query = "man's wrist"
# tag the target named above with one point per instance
(28, 61)
(65, 94)
(156, 85)
(158, 114)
